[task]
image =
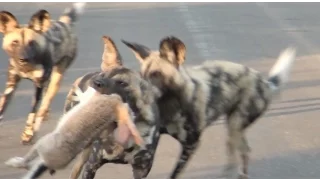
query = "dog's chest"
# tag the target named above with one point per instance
(26, 70)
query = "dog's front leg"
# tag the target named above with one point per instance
(11, 85)
(143, 160)
(28, 132)
(95, 161)
(189, 146)
(53, 87)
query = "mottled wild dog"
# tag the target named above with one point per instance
(76, 131)
(194, 97)
(141, 97)
(41, 51)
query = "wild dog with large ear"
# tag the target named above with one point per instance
(40, 51)
(193, 98)
(111, 58)
(141, 96)
(13, 42)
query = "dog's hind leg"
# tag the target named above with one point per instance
(11, 85)
(234, 129)
(28, 132)
(244, 157)
(37, 169)
(236, 143)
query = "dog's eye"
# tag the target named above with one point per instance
(155, 74)
(98, 84)
(15, 42)
(121, 83)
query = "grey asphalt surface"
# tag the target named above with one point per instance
(285, 142)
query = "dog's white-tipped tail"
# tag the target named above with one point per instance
(279, 73)
(71, 15)
(79, 7)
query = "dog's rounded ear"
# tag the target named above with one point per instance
(111, 56)
(173, 50)
(8, 22)
(40, 21)
(140, 51)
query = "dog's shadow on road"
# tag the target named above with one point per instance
(290, 165)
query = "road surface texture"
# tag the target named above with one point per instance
(285, 142)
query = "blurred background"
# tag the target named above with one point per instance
(285, 142)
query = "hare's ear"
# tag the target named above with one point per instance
(111, 56)
(173, 50)
(40, 21)
(140, 51)
(8, 22)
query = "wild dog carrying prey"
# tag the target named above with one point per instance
(41, 51)
(76, 131)
(141, 97)
(193, 98)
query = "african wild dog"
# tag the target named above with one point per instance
(76, 131)
(141, 97)
(42, 51)
(193, 98)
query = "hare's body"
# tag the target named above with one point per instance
(75, 132)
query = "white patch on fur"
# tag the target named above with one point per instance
(84, 99)
(283, 65)
(109, 156)
(79, 7)
(78, 93)
(8, 90)
(38, 72)
(149, 139)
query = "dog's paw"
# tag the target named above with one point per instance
(52, 172)
(16, 162)
(228, 172)
(243, 176)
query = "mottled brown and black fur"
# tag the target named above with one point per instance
(194, 97)
(41, 51)
(141, 97)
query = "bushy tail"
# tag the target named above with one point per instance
(71, 15)
(279, 73)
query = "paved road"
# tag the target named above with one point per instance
(285, 142)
